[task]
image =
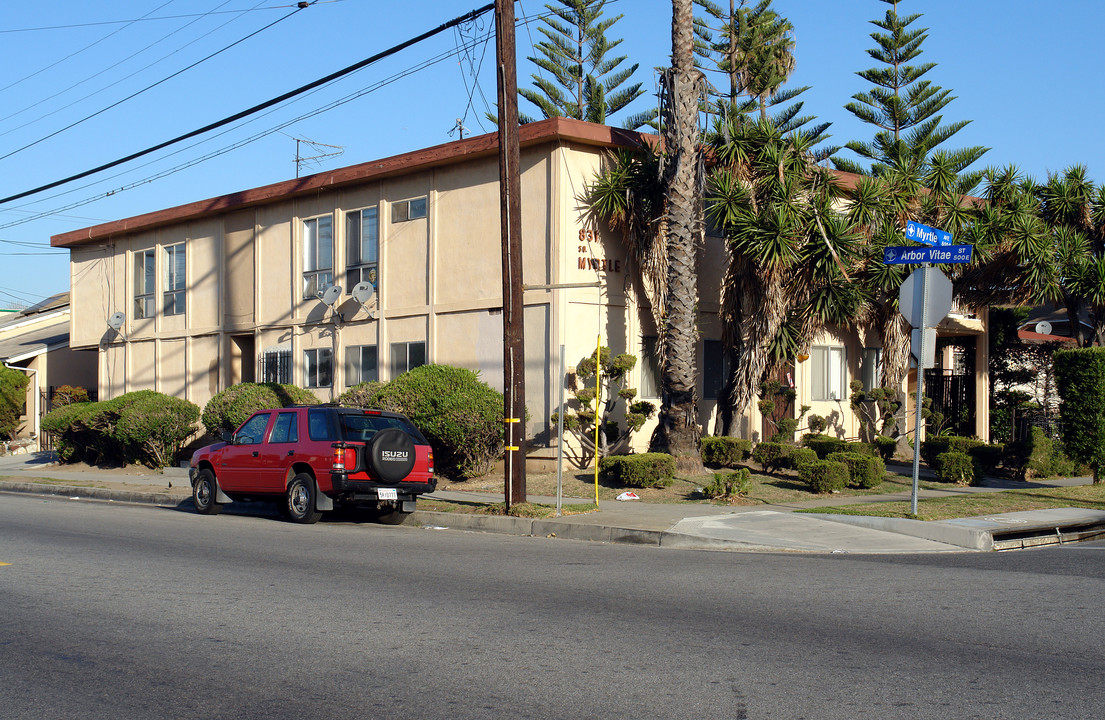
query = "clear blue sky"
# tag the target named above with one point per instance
(1023, 72)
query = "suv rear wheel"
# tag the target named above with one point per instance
(300, 500)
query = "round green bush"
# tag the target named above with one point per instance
(823, 444)
(801, 456)
(955, 467)
(887, 446)
(644, 470)
(725, 451)
(865, 471)
(987, 456)
(461, 415)
(771, 455)
(861, 447)
(824, 476)
(233, 406)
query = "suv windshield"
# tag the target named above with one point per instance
(361, 428)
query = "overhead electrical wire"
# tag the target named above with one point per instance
(257, 108)
(150, 87)
(240, 143)
(97, 74)
(161, 17)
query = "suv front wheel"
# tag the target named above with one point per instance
(300, 500)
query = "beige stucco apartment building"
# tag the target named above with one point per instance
(225, 290)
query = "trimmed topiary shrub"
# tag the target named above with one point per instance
(860, 447)
(725, 451)
(726, 486)
(461, 415)
(955, 467)
(13, 396)
(771, 456)
(799, 457)
(988, 457)
(644, 470)
(946, 443)
(1046, 457)
(865, 471)
(823, 444)
(824, 476)
(1080, 378)
(145, 426)
(233, 406)
(886, 446)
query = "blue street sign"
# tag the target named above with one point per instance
(927, 235)
(918, 255)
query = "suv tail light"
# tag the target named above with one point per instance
(345, 459)
(430, 461)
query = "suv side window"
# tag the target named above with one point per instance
(252, 431)
(284, 430)
(319, 426)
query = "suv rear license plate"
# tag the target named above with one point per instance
(387, 494)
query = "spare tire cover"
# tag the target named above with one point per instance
(391, 455)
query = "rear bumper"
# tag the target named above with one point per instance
(342, 485)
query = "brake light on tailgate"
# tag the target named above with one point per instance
(345, 459)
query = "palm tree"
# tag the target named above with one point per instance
(678, 432)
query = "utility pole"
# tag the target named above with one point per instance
(510, 189)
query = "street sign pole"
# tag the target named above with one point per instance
(920, 394)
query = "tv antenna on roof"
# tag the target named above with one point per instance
(316, 147)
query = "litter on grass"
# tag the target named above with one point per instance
(629, 495)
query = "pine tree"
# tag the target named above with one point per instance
(579, 80)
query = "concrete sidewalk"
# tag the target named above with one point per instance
(676, 525)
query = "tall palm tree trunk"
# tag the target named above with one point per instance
(678, 431)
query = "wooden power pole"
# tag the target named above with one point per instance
(510, 188)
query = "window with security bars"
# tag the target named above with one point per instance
(174, 279)
(145, 280)
(276, 367)
(318, 255)
(362, 242)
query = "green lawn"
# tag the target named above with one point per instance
(1044, 498)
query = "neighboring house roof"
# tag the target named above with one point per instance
(1031, 337)
(18, 346)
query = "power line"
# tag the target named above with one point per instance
(234, 146)
(257, 108)
(163, 17)
(150, 87)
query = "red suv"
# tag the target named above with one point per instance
(312, 458)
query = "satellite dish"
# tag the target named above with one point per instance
(363, 292)
(116, 320)
(331, 295)
(1043, 327)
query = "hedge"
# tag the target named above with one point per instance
(140, 427)
(865, 471)
(946, 443)
(887, 446)
(232, 407)
(799, 457)
(823, 444)
(824, 476)
(725, 451)
(13, 396)
(1080, 379)
(955, 467)
(461, 415)
(771, 455)
(644, 470)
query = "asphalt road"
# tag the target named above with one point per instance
(110, 611)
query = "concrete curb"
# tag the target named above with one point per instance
(970, 538)
(537, 527)
(92, 493)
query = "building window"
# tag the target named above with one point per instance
(318, 368)
(145, 277)
(318, 255)
(408, 210)
(406, 356)
(650, 368)
(715, 368)
(828, 370)
(871, 368)
(362, 239)
(360, 364)
(276, 366)
(174, 279)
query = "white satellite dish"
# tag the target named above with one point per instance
(1043, 327)
(116, 320)
(363, 292)
(331, 295)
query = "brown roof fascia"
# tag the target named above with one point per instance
(553, 129)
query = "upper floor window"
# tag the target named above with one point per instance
(318, 368)
(828, 370)
(362, 239)
(318, 255)
(145, 278)
(174, 279)
(408, 210)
